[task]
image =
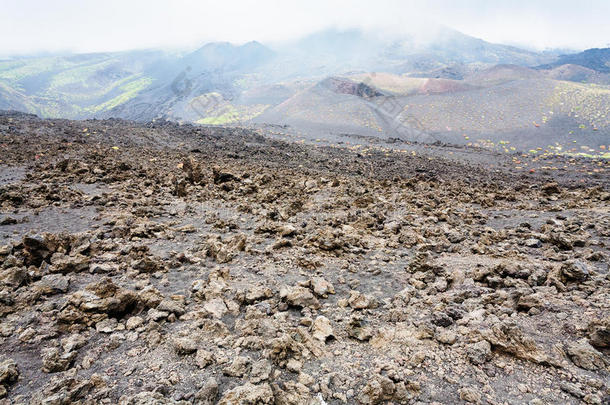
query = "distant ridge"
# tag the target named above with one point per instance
(597, 59)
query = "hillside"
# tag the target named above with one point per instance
(504, 108)
(78, 86)
(147, 84)
(597, 59)
(450, 88)
(576, 73)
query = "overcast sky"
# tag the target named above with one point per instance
(109, 25)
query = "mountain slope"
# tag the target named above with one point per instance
(77, 86)
(597, 59)
(523, 112)
(214, 83)
(207, 79)
(449, 86)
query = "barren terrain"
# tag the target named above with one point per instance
(166, 264)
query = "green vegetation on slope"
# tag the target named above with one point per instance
(215, 110)
(586, 102)
(21, 69)
(130, 90)
(71, 87)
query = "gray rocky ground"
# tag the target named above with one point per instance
(166, 264)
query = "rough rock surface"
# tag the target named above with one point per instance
(172, 264)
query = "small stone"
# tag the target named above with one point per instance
(238, 368)
(510, 338)
(442, 319)
(248, 394)
(575, 270)
(561, 240)
(73, 342)
(592, 399)
(533, 243)
(13, 276)
(294, 365)
(534, 311)
(171, 306)
(306, 379)
(446, 337)
(322, 329)
(357, 300)
(53, 360)
(216, 307)
(208, 393)
(479, 353)
(572, 389)
(287, 230)
(261, 371)
(358, 331)
(156, 315)
(322, 287)
(378, 390)
(69, 264)
(204, 358)
(527, 302)
(53, 284)
(600, 334)
(106, 326)
(469, 394)
(299, 297)
(258, 293)
(146, 265)
(184, 345)
(306, 321)
(585, 356)
(103, 268)
(441, 285)
(134, 322)
(8, 372)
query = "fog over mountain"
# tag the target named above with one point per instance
(113, 25)
(335, 73)
(221, 83)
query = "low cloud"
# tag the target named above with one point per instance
(88, 26)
